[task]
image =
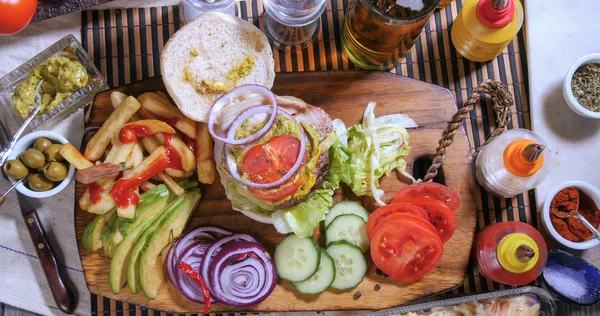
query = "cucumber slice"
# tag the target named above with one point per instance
(297, 258)
(350, 264)
(321, 280)
(346, 207)
(350, 228)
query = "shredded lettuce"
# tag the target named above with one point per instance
(378, 146)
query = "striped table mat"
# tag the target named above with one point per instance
(125, 46)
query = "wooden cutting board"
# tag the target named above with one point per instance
(343, 95)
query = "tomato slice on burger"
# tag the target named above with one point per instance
(430, 190)
(440, 216)
(379, 214)
(268, 162)
(404, 250)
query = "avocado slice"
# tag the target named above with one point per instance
(150, 279)
(92, 235)
(142, 241)
(111, 237)
(151, 203)
(117, 274)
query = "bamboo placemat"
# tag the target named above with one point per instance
(125, 46)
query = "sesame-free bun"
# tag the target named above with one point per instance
(205, 50)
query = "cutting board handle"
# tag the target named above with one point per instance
(502, 101)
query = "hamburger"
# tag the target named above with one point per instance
(270, 151)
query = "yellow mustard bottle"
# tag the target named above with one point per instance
(483, 28)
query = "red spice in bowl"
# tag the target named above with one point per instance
(566, 201)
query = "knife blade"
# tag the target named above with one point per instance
(63, 297)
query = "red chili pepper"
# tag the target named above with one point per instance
(189, 271)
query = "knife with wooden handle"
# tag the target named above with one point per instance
(64, 299)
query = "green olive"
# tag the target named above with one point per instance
(15, 169)
(33, 158)
(55, 171)
(52, 153)
(42, 143)
(37, 182)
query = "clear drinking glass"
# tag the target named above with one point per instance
(190, 9)
(377, 34)
(292, 22)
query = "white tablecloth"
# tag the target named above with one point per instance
(22, 281)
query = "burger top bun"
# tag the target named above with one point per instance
(211, 55)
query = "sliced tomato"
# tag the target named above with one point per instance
(268, 162)
(404, 250)
(408, 217)
(379, 214)
(440, 216)
(429, 190)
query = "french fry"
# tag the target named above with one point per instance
(84, 201)
(188, 161)
(173, 186)
(162, 108)
(119, 152)
(110, 128)
(135, 156)
(147, 115)
(147, 186)
(150, 143)
(153, 126)
(74, 157)
(106, 202)
(116, 98)
(204, 155)
(178, 174)
(141, 169)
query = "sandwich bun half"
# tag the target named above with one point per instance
(214, 53)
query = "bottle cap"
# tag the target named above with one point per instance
(517, 253)
(492, 14)
(523, 157)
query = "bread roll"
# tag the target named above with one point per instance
(211, 55)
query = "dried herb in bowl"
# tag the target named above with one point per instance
(586, 86)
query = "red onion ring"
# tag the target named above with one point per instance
(191, 252)
(186, 285)
(228, 98)
(241, 274)
(214, 249)
(233, 168)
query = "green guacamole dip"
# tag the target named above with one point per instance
(62, 74)
(239, 71)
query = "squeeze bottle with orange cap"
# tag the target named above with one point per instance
(512, 253)
(515, 162)
(483, 28)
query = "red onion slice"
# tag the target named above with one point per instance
(212, 251)
(228, 98)
(233, 168)
(242, 274)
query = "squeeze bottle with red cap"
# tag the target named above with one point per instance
(483, 28)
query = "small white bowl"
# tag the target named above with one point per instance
(27, 142)
(568, 91)
(588, 189)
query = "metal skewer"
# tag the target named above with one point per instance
(3, 196)
(38, 106)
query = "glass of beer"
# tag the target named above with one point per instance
(377, 34)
